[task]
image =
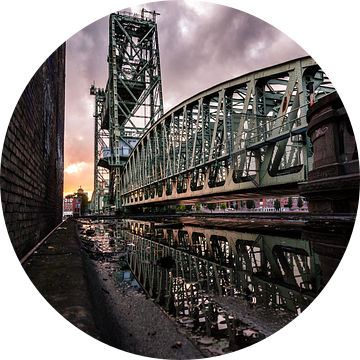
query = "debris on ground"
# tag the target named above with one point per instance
(176, 345)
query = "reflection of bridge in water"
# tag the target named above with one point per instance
(280, 274)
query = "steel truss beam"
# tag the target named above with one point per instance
(133, 95)
(100, 196)
(241, 135)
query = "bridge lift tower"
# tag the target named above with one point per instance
(132, 101)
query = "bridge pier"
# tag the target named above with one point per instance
(333, 183)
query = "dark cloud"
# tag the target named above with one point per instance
(86, 63)
(219, 43)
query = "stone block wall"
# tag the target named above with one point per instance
(333, 183)
(32, 162)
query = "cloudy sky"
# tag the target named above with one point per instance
(201, 44)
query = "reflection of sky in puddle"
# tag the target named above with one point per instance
(126, 277)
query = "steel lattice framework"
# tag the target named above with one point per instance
(244, 136)
(131, 102)
(102, 175)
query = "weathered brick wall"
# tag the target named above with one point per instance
(32, 162)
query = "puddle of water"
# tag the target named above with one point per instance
(227, 290)
(102, 240)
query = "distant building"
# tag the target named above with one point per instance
(77, 206)
(68, 207)
(268, 204)
(284, 204)
(258, 203)
(81, 191)
(72, 206)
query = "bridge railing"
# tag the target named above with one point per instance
(141, 17)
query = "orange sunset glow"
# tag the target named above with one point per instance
(76, 175)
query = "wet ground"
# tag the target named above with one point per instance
(132, 320)
(128, 319)
(125, 314)
(83, 271)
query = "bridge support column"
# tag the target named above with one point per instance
(333, 183)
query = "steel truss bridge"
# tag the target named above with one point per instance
(243, 137)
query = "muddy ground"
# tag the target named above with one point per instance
(129, 320)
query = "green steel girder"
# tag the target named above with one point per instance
(100, 199)
(134, 70)
(236, 137)
(132, 99)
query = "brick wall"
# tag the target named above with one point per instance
(32, 162)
